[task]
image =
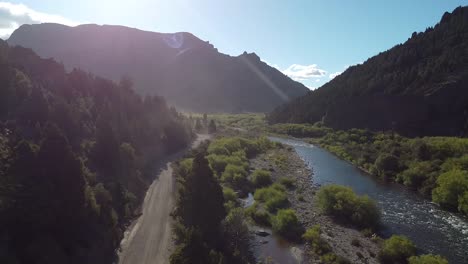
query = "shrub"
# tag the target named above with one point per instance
(230, 199)
(416, 174)
(273, 197)
(229, 194)
(450, 187)
(258, 215)
(235, 176)
(396, 249)
(427, 259)
(367, 232)
(463, 203)
(387, 165)
(287, 182)
(342, 203)
(317, 243)
(261, 178)
(218, 163)
(286, 224)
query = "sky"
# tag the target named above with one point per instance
(312, 41)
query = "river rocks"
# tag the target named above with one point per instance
(302, 199)
(262, 233)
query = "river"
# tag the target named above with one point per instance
(403, 212)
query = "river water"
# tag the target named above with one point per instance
(403, 212)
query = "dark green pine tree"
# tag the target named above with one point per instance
(202, 201)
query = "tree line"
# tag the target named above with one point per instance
(77, 153)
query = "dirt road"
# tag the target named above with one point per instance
(148, 238)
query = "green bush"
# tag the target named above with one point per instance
(261, 178)
(463, 203)
(218, 163)
(319, 245)
(416, 174)
(229, 145)
(343, 204)
(258, 215)
(427, 259)
(273, 197)
(286, 223)
(287, 182)
(451, 188)
(235, 176)
(230, 199)
(387, 165)
(396, 249)
(299, 130)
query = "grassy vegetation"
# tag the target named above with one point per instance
(320, 246)
(286, 223)
(211, 226)
(253, 122)
(299, 130)
(343, 204)
(287, 182)
(261, 178)
(273, 197)
(427, 259)
(396, 249)
(434, 166)
(228, 158)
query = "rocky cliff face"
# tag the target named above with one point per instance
(188, 71)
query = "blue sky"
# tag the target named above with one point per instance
(310, 40)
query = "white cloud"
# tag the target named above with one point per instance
(333, 75)
(299, 72)
(14, 15)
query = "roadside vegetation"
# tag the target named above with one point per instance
(211, 226)
(77, 153)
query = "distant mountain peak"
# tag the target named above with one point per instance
(188, 71)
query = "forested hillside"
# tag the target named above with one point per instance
(415, 88)
(189, 72)
(77, 153)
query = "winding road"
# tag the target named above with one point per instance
(148, 239)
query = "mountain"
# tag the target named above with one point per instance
(188, 72)
(77, 153)
(417, 88)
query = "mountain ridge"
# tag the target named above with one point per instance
(415, 88)
(189, 72)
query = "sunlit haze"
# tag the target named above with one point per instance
(311, 41)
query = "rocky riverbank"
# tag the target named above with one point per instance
(345, 241)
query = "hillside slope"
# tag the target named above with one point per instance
(77, 153)
(187, 71)
(416, 88)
